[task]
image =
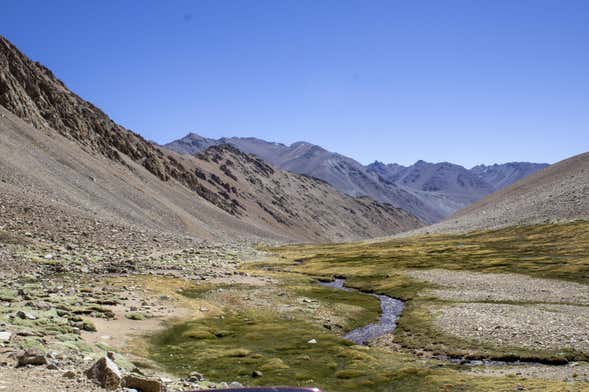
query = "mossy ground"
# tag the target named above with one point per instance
(262, 335)
(546, 251)
(233, 347)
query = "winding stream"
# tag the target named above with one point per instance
(391, 309)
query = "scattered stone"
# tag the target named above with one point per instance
(5, 337)
(312, 341)
(257, 374)
(70, 374)
(105, 373)
(195, 376)
(30, 357)
(143, 384)
(25, 316)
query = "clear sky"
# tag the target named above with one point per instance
(473, 81)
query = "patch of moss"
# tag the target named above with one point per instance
(7, 295)
(360, 309)
(263, 341)
(88, 325)
(135, 316)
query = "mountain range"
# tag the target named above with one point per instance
(430, 191)
(59, 151)
(63, 158)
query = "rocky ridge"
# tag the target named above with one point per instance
(430, 191)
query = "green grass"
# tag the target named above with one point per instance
(232, 348)
(546, 251)
(366, 308)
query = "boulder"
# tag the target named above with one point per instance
(143, 384)
(31, 357)
(105, 373)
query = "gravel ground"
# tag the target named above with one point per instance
(472, 286)
(537, 327)
(572, 372)
(41, 379)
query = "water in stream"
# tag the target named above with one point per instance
(391, 309)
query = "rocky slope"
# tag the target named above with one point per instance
(558, 193)
(297, 205)
(431, 191)
(66, 151)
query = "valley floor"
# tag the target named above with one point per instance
(489, 311)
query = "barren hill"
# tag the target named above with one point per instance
(58, 149)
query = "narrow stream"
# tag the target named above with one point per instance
(391, 309)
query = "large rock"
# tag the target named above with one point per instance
(31, 357)
(105, 373)
(143, 384)
(5, 337)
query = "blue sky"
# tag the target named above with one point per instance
(462, 81)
